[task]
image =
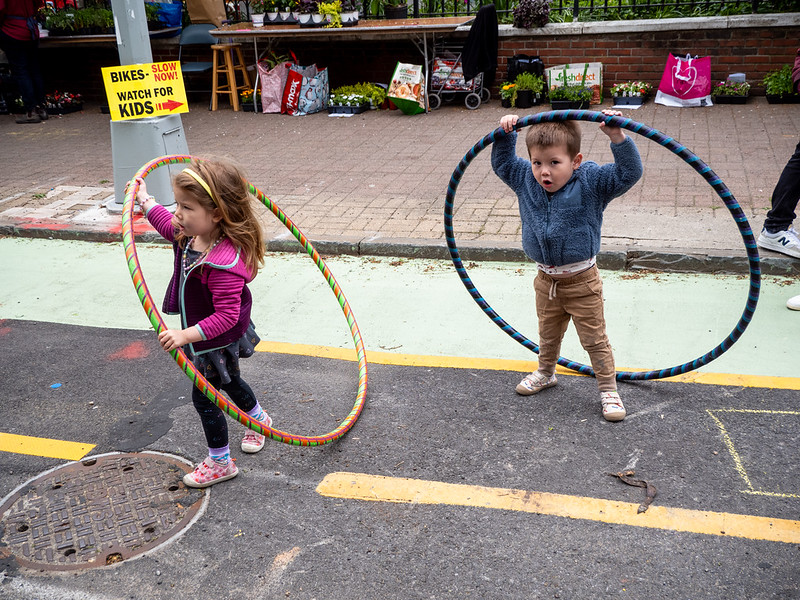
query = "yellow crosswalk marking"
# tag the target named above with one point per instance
(36, 446)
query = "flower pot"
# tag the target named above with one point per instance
(349, 18)
(258, 20)
(396, 12)
(569, 104)
(783, 98)
(629, 100)
(505, 102)
(272, 17)
(341, 109)
(287, 17)
(305, 20)
(725, 99)
(317, 19)
(524, 98)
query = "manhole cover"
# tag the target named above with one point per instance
(99, 511)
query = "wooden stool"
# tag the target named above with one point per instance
(224, 64)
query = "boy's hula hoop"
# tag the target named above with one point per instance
(186, 365)
(698, 165)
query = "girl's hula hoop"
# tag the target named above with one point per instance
(186, 365)
(698, 165)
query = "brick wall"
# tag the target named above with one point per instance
(627, 49)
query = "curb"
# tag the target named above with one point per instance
(615, 258)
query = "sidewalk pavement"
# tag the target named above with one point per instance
(375, 183)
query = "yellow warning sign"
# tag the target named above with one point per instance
(146, 90)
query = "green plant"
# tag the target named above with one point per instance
(104, 18)
(508, 91)
(393, 3)
(358, 94)
(332, 10)
(60, 20)
(573, 93)
(258, 7)
(731, 88)
(151, 12)
(531, 13)
(272, 59)
(779, 82)
(530, 81)
(631, 88)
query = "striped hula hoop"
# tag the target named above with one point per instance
(698, 165)
(186, 365)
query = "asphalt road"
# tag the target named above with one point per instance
(270, 533)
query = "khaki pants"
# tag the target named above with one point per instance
(579, 298)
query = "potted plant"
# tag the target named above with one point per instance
(507, 93)
(395, 9)
(258, 10)
(331, 13)
(531, 13)
(631, 92)
(105, 19)
(60, 22)
(306, 9)
(151, 14)
(61, 103)
(528, 90)
(570, 97)
(347, 100)
(779, 87)
(349, 13)
(285, 8)
(271, 11)
(246, 100)
(731, 92)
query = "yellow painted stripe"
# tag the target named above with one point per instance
(36, 446)
(359, 486)
(521, 366)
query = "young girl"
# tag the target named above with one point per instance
(219, 248)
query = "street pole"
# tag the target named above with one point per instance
(135, 142)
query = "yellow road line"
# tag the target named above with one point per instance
(521, 366)
(36, 446)
(359, 486)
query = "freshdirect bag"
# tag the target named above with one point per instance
(306, 90)
(407, 89)
(685, 82)
(589, 75)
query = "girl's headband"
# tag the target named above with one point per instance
(202, 182)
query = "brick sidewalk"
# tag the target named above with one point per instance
(375, 183)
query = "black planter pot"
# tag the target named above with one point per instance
(729, 99)
(396, 12)
(569, 105)
(524, 98)
(505, 102)
(783, 98)
(629, 100)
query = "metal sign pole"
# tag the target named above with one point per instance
(137, 141)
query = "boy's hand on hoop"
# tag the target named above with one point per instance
(615, 134)
(508, 122)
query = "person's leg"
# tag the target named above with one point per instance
(553, 321)
(18, 59)
(785, 196)
(242, 394)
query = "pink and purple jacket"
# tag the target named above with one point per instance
(214, 296)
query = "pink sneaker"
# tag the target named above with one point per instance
(252, 441)
(210, 472)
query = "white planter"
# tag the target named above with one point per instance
(258, 20)
(272, 16)
(304, 18)
(350, 17)
(317, 18)
(285, 16)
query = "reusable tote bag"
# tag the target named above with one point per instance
(407, 89)
(685, 82)
(306, 90)
(273, 82)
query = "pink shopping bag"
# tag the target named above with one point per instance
(685, 82)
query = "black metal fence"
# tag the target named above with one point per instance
(595, 10)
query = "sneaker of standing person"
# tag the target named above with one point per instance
(613, 410)
(209, 472)
(252, 441)
(30, 117)
(786, 242)
(793, 303)
(535, 383)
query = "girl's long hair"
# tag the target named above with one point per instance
(232, 197)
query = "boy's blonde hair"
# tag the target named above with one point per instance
(555, 133)
(231, 195)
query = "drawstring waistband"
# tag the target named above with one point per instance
(553, 285)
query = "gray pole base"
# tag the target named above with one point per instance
(136, 142)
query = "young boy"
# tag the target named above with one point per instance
(561, 203)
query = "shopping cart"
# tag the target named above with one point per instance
(447, 80)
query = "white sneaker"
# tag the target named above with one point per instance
(535, 383)
(786, 242)
(613, 410)
(793, 303)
